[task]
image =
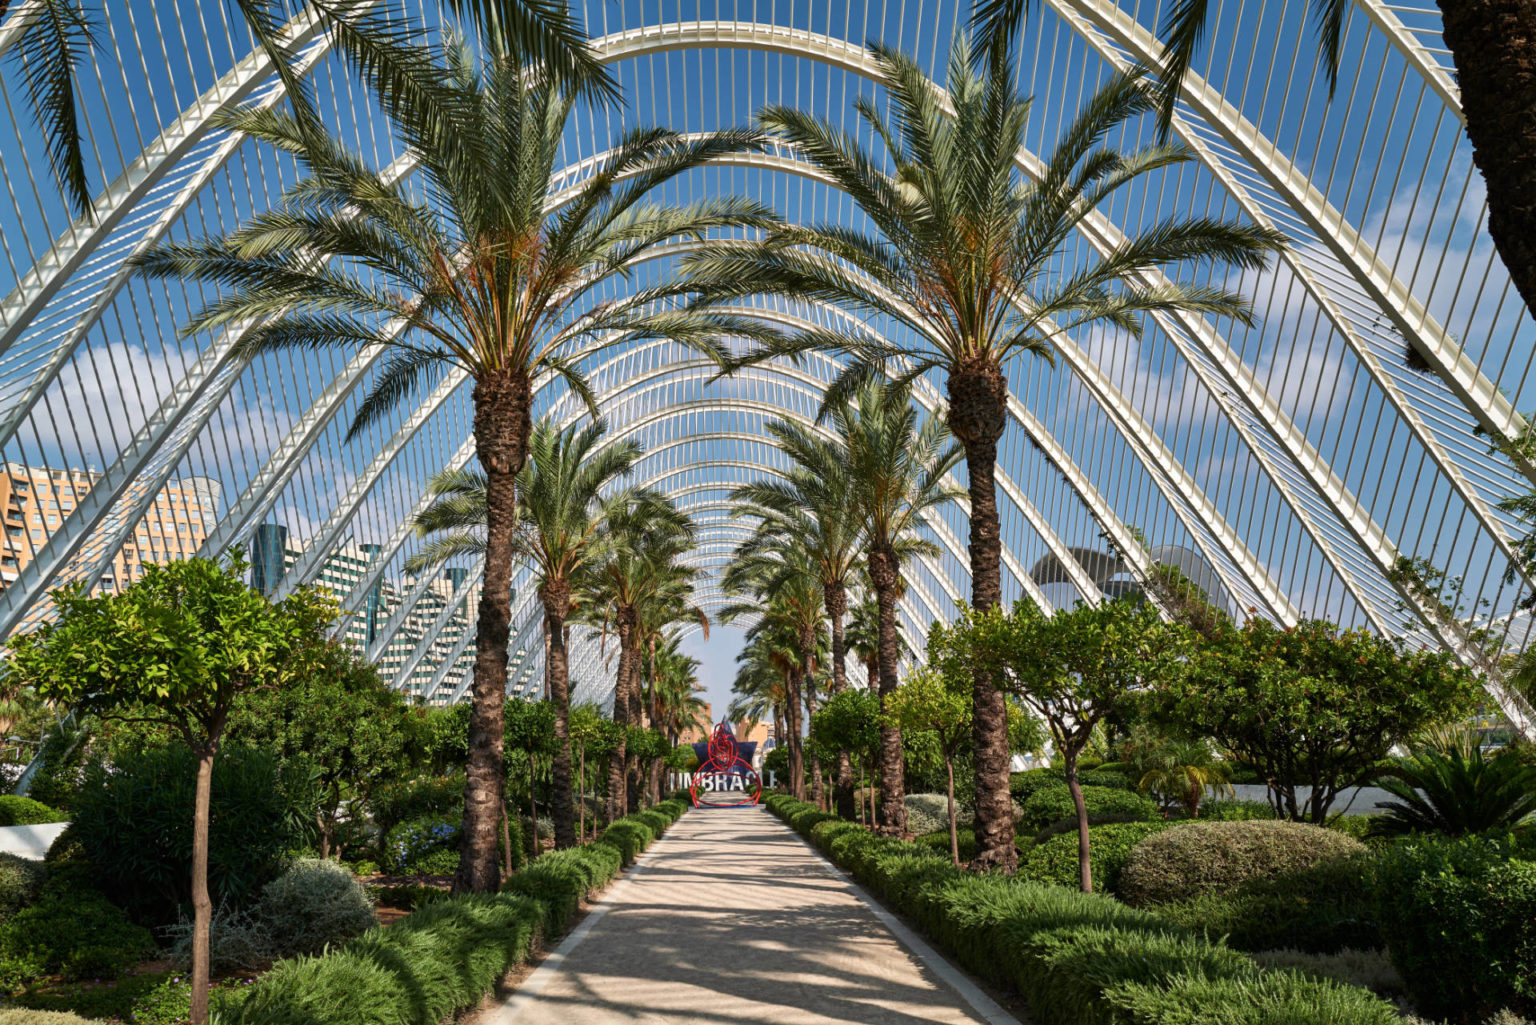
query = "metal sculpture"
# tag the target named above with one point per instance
(724, 772)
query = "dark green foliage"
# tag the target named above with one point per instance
(561, 880)
(134, 824)
(1079, 959)
(1054, 802)
(1457, 919)
(1197, 858)
(428, 845)
(939, 841)
(395, 803)
(78, 934)
(1322, 909)
(1055, 860)
(1456, 794)
(1023, 785)
(652, 819)
(20, 881)
(430, 964)
(629, 837)
(23, 811)
(406, 896)
(63, 756)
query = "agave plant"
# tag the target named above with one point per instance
(1457, 793)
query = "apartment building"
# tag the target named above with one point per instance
(37, 501)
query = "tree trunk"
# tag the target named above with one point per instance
(884, 573)
(1493, 43)
(792, 706)
(617, 807)
(636, 719)
(1084, 865)
(581, 787)
(556, 596)
(533, 812)
(506, 842)
(202, 903)
(836, 598)
(954, 837)
(977, 408)
(502, 424)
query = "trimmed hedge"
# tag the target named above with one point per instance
(1199, 858)
(1054, 803)
(1078, 959)
(1457, 916)
(446, 955)
(23, 811)
(1055, 860)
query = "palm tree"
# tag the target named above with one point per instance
(762, 682)
(784, 594)
(1457, 793)
(488, 276)
(640, 573)
(971, 260)
(813, 504)
(60, 33)
(897, 467)
(674, 691)
(654, 629)
(1493, 46)
(561, 531)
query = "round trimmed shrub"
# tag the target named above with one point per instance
(20, 881)
(1457, 919)
(424, 846)
(1236, 811)
(1023, 785)
(1054, 803)
(1055, 860)
(78, 934)
(313, 904)
(1216, 857)
(929, 812)
(23, 811)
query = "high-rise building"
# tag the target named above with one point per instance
(37, 501)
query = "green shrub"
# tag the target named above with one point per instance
(628, 837)
(1023, 785)
(313, 905)
(1055, 860)
(928, 813)
(406, 896)
(78, 934)
(939, 841)
(655, 821)
(134, 825)
(423, 846)
(1262, 998)
(20, 881)
(1368, 969)
(395, 803)
(23, 811)
(1236, 811)
(1457, 919)
(1197, 858)
(26, 1016)
(560, 880)
(1053, 803)
(237, 941)
(430, 964)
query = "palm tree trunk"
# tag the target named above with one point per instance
(502, 425)
(792, 728)
(808, 677)
(836, 598)
(556, 596)
(636, 719)
(1493, 43)
(883, 572)
(977, 409)
(617, 807)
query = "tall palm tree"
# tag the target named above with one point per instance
(59, 34)
(641, 572)
(784, 594)
(1493, 46)
(971, 260)
(488, 275)
(812, 503)
(761, 685)
(674, 690)
(897, 468)
(561, 532)
(669, 605)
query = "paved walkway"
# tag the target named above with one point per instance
(731, 920)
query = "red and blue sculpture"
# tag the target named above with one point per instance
(725, 772)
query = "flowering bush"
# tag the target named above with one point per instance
(426, 846)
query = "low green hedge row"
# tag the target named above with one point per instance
(1078, 959)
(450, 952)
(23, 811)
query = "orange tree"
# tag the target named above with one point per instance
(174, 649)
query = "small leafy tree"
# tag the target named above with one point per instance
(1314, 708)
(936, 703)
(530, 733)
(341, 719)
(175, 648)
(592, 735)
(850, 722)
(1073, 670)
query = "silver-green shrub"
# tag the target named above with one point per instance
(928, 813)
(20, 880)
(237, 941)
(313, 904)
(1216, 857)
